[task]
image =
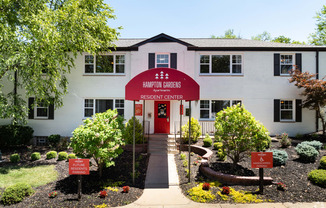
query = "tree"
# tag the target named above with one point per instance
(240, 133)
(99, 138)
(319, 36)
(314, 91)
(265, 36)
(282, 39)
(195, 131)
(129, 131)
(229, 34)
(39, 40)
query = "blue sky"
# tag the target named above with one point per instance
(203, 18)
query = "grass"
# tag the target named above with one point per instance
(35, 176)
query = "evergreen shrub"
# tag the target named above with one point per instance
(279, 157)
(318, 177)
(315, 144)
(307, 153)
(62, 156)
(15, 158)
(35, 156)
(195, 131)
(322, 163)
(16, 193)
(207, 141)
(128, 131)
(51, 155)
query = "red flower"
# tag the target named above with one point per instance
(225, 190)
(206, 186)
(125, 189)
(103, 194)
(53, 194)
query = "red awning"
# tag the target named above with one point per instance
(162, 84)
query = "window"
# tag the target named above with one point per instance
(105, 64)
(286, 64)
(92, 106)
(221, 64)
(42, 110)
(162, 60)
(209, 108)
(286, 110)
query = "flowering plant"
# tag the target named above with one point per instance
(281, 186)
(225, 190)
(53, 194)
(125, 189)
(103, 194)
(206, 186)
(196, 162)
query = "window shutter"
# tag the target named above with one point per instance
(173, 60)
(276, 64)
(277, 110)
(298, 61)
(151, 60)
(30, 108)
(298, 110)
(51, 110)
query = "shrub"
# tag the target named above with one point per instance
(185, 163)
(315, 144)
(206, 186)
(16, 193)
(128, 132)
(306, 153)
(62, 156)
(322, 162)
(207, 141)
(195, 131)
(14, 158)
(99, 138)
(197, 194)
(318, 177)
(54, 140)
(15, 135)
(279, 157)
(182, 156)
(220, 152)
(72, 156)
(51, 155)
(240, 133)
(285, 141)
(35, 156)
(217, 145)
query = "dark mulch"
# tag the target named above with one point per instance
(66, 185)
(293, 174)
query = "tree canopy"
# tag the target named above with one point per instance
(228, 34)
(39, 40)
(319, 36)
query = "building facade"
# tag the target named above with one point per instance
(228, 71)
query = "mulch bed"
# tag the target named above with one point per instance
(293, 175)
(66, 185)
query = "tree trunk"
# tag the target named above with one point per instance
(14, 120)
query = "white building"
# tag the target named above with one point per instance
(228, 71)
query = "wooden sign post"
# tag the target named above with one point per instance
(261, 160)
(79, 167)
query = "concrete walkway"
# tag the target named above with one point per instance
(162, 185)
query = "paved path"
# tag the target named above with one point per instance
(162, 185)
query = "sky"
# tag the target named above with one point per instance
(204, 18)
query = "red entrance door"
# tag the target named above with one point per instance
(162, 117)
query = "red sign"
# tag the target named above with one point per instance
(138, 109)
(181, 109)
(162, 84)
(261, 160)
(78, 166)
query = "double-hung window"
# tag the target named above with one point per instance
(162, 60)
(105, 64)
(287, 110)
(286, 63)
(221, 64)
(92, 106)
(40, 109)
(209, 108)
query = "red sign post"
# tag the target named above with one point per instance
(261, 160)
(79, 167)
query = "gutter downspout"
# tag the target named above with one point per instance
(317, 77)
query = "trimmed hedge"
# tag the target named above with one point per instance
(279, 157)
(62, 156)
(51, 155)
(322, 162)
(307, 153)
(15, 135)
(16, 193)
(207, 141)
(35, 156)
(15, 158)
(318, 177)
(72, 156)
(315, 144)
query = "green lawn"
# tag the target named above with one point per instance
(35, 176)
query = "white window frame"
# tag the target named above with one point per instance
(221, 54)
(211, 116)
(94, 104)
(293, 62)
(37, 106)
(106, 73)
(293, 110)
(169, 59)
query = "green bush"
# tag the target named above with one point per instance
(16, 193)
(318, 177)
(285, 141)
(185, 163)
(220, 152)
(62, 156)
(240, 133)
(14, 158)
(35, 156)
(51, 155)
(128, 132)
(217, 145)
(315, 144)
(72, 156)
(207, 141)
(195, 131)
(182, 156)
(54, 140)
(322, 163)
(15, 135)
(306, 153)
(279, 157)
